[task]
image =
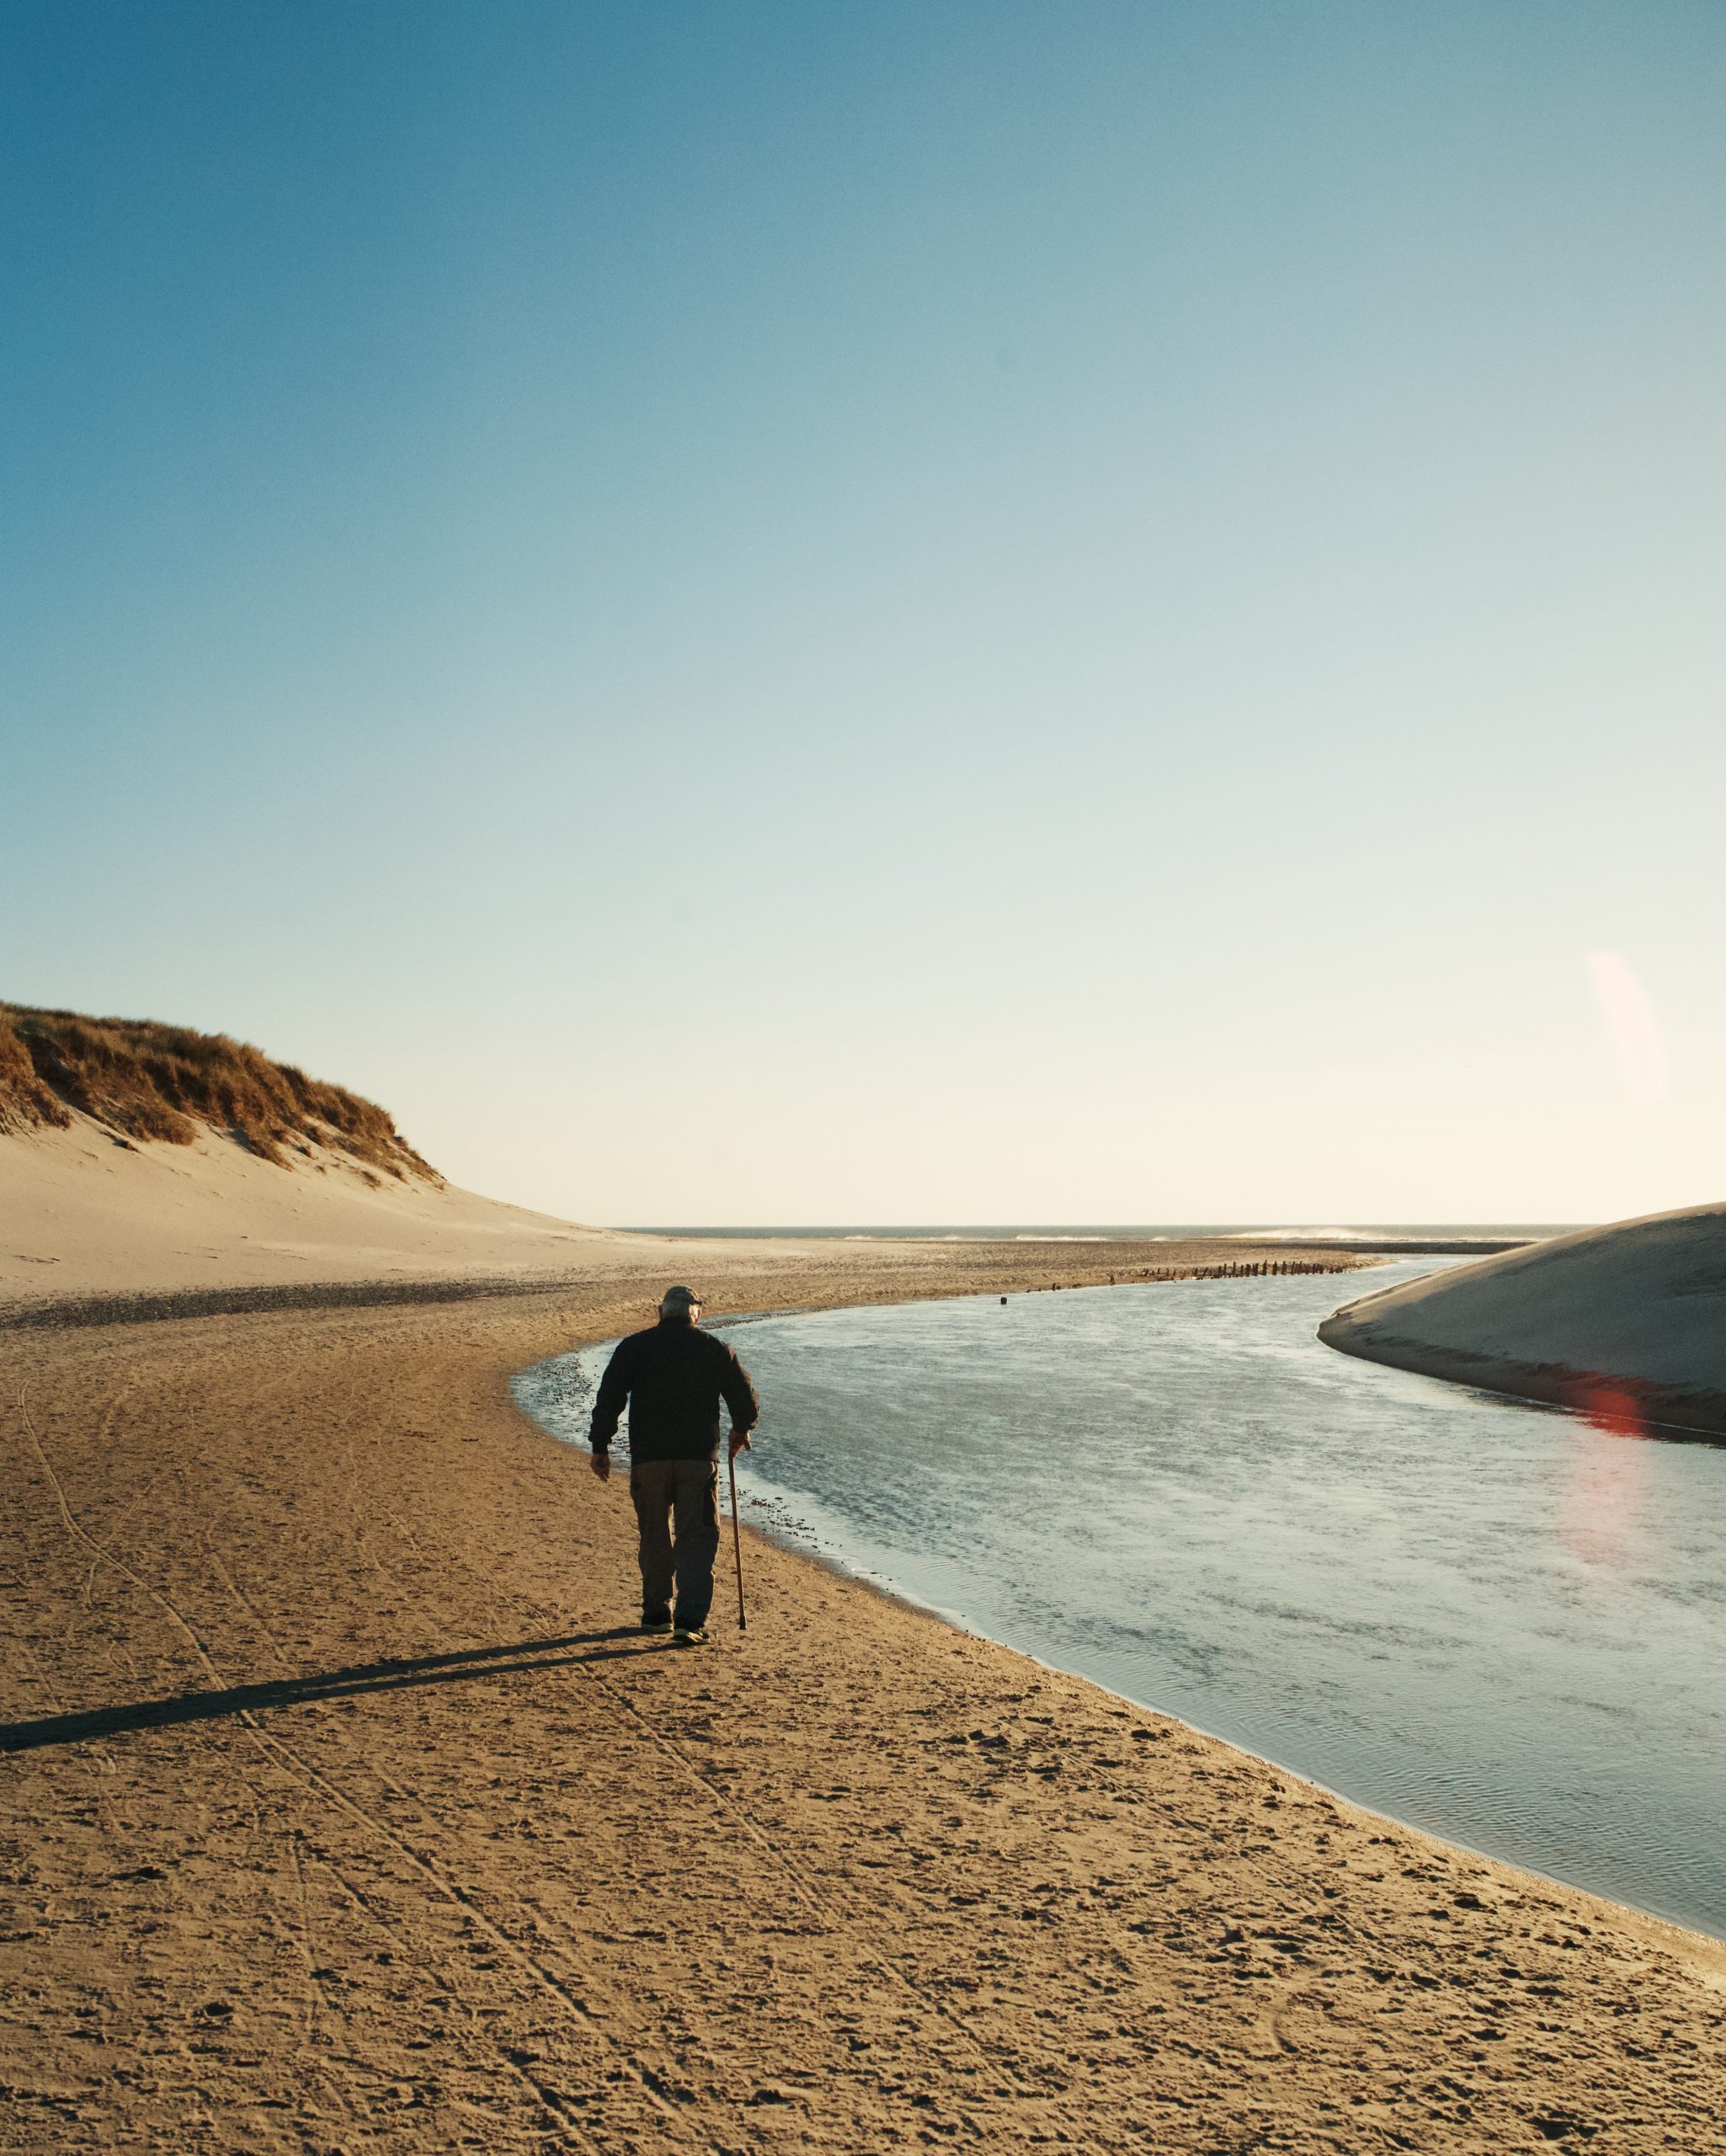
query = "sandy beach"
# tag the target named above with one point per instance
(344, 1811)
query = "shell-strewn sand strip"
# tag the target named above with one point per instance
(339, 1815)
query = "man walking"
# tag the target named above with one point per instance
(674, 1377)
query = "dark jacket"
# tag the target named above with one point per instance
(674, 1376)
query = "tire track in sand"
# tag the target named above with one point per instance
(1003, 2064)
(289, 1762)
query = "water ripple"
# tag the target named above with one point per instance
(1492, 1619)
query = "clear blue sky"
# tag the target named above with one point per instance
(885, 612)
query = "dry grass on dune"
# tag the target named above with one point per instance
(153, 1082)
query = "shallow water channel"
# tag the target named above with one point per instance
(1493, 1620)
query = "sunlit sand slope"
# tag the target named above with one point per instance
(83, 1215)
(80, 1214)
(1628, 1320)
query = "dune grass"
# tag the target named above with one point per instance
(156, 1084)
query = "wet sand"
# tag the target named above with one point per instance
(341, 1812)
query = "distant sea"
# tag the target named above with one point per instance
(1020, 1231)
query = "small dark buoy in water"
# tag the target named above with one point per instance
(1003, 1299)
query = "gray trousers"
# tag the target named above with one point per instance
(683, 1493)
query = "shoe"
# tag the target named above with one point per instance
(656, 1624)
(690, 1635)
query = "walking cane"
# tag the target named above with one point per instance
(736, 1540)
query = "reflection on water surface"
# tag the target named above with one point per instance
(1500, 1622)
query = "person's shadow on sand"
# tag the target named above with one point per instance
(389, 1675)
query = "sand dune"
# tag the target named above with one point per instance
(1626, 1319)
(140, 1159)
(81, 1213)
(84, 1217)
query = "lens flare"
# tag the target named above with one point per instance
(1601, 1521)
(1611, 1404)
(1632, 1029)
